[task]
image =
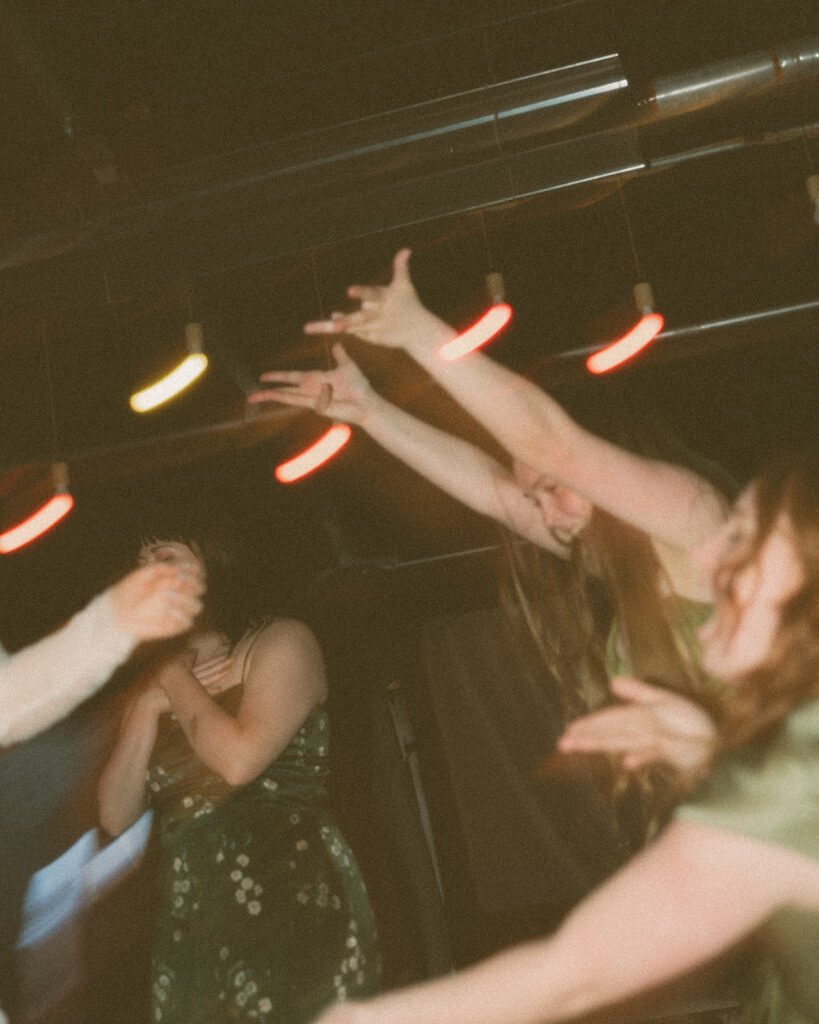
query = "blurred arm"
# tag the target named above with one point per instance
(690, 896)
(43, 682)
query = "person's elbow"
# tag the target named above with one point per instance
(238, 773)
(239, 767)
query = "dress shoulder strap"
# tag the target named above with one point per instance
(255, 636)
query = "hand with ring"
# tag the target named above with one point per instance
(343, 393)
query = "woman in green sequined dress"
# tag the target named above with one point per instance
(262, 912)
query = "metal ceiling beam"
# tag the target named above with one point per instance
(558, 129)
(250, 426)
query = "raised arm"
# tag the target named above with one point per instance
(43, 682)
(670, 503)
(284, 680)
(680, 903)
(461, 469)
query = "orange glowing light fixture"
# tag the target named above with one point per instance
(491, 323)
(482, 331)
(644, 331)
(182, 376)
(48, 515)
(316, 455)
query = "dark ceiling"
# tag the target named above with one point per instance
(242, 163)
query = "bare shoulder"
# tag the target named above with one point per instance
(287, 647)
(284, 631)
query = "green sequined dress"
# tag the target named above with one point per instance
(262, 911)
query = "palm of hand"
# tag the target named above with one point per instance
(342, 393)
(654, 725)
(389, 315)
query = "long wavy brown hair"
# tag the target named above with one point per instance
(563, 612)
(567, 607)
(786, 492)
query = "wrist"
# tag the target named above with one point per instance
(111, 625)
(423, 344)
(373, 412)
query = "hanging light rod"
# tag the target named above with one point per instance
(772, 325)
(46, 516)
(483, 330)
(643, 333)
(328, 445)
(182, 376)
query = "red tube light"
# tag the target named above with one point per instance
(490, 324)
(316, 455)
(618, 352)
(37, 523)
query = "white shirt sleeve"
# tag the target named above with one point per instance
(40, 684)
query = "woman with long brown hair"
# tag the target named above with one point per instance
(740, 860)
(628, 519)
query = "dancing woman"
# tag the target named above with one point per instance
(638, 517)
(740, 859)
(626, 518)
(262, 912)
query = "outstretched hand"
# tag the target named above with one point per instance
(158, 600)
(343, 393)
(390, 315)
(654, 725)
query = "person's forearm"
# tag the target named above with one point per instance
(214, 735)
(43, 682)
(528, 984)
(525, 420)
(461, 469)
(121, 789)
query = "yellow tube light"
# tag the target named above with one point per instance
(182, 376)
